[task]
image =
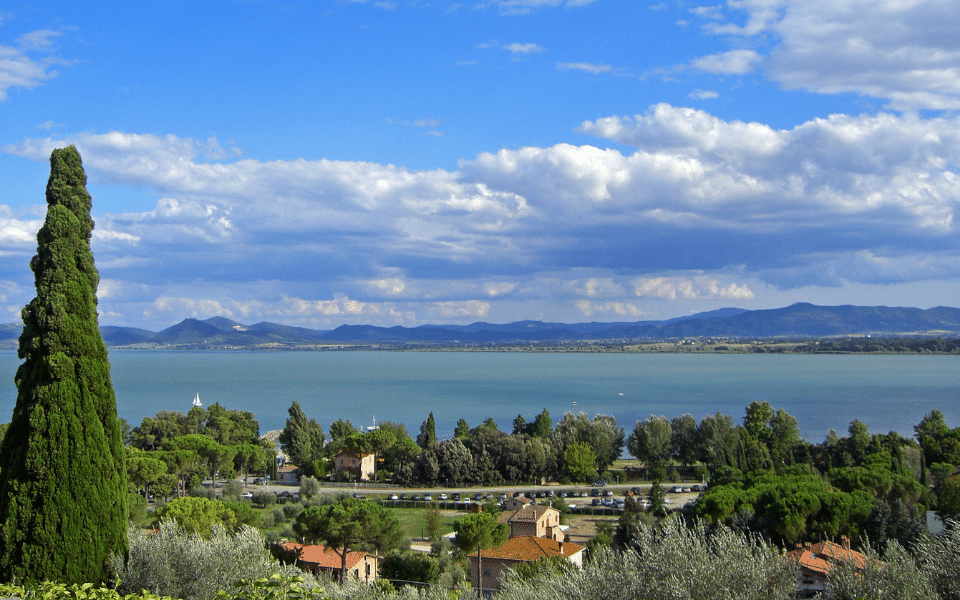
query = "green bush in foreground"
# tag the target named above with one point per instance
(669, 563)
(174, 562)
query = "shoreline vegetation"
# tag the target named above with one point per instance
(852, 345)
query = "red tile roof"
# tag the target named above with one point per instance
(821, 557)
(529, 512)
(323, 557)
(529, 548)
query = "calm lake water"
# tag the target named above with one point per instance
(888, 393)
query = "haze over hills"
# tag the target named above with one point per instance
(796, 321)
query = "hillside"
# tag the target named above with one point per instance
(800, 320)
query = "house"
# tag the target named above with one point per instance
(355, 467)
(288, 475)
(533, 520)
(318, 559)
(516, 502)
(517, 550)
(816, 561)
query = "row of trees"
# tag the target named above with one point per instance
(173, 452)
(766, 479)
(576, 449)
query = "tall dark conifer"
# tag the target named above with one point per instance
(63, 487)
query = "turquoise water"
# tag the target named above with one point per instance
(888, 393)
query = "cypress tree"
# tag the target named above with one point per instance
(63, 487)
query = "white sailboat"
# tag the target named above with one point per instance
(196, 401)
(374, 427)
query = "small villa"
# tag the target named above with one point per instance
(816, 561)
(318, 559)
(533, 520)
(354, 467)
(517, 550)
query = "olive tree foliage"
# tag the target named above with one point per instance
(673, 562)
(939, 557)
(893, 575)
(63, 476)
(174, 562)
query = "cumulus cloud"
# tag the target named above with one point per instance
(906, 53)
(733, 62)
(623, 310)
(702, 210)
(28, 64)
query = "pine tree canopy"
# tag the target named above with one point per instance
(63, 485)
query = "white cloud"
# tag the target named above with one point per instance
(907, 53)
(671, 288)
(529, 48)
(582, 66)
(20, 67)
(704, 210)
(522, 7)
(623, 310)
(733, 62)
(703, 95)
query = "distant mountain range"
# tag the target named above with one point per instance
(796, 321)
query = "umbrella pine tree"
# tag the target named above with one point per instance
(63, 487)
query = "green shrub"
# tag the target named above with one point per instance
(939, 557)
(173, 562)
(671, 563)
(264, 499)
(292, 509)
(137, 507)
(232, 489)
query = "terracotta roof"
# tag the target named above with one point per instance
(287, 469)
(820, 557)
(345, 453)
(529, 512)
(322, 556)
(528, 548)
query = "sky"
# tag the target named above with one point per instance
(405, 162)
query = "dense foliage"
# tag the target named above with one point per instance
(63, 480)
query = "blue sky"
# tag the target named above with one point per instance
(408, 162)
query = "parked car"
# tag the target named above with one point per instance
(456, 496)
(247, 495)
(503, 497)
(428, 497)
(478, 496)
(596, 502)
(442, 496)
(677, 489)
(403, 496)
(416, 498)
(594, 492)
(394, 497)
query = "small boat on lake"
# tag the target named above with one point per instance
(196, 401)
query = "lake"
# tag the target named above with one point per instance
(888, 393)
